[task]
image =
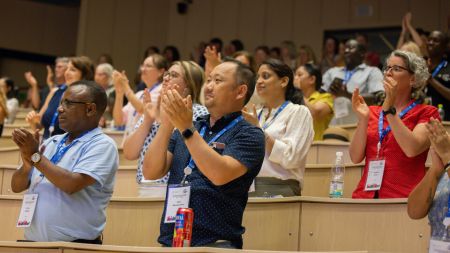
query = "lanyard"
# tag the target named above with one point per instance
(60, 152)
(149, 91)
(382, 133)
(51, 129)
(439, 67)
(266, 125)
(191, 163)
(348, 75)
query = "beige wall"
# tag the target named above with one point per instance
(35, 28)
(125, 28)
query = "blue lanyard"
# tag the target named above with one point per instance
(61, 151)
(382, 133)
(149, 91)
(348, 75)
(51, 129)
(438, 68)
(266, 125)
(191, 163)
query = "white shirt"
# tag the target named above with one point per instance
(293, 132)
(13, 107)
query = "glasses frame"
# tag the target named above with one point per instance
(66, 103)
(389, 68)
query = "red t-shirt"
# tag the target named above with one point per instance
(401, 173)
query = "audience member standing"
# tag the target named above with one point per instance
(288, 130)
(392, 138)
(72, 175)
(309, 80)
(342, 81)
(438, 88)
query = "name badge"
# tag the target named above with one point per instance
(341, 107)
(439, 246)
(27, 211)
(375, 175)
(177, 197)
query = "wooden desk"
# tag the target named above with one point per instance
(316, 180)
(6, 141)
(347, 224)
(295, 223)
(68, 247)
(117, 136)
(9, 155)
(7, 129)
(324, 152)
(125, 162)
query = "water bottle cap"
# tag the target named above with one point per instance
(339, 153)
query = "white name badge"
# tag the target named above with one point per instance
(341, 107)
(27, 211)
(439, 246)
(252, 187)
(177, 197)
(375, 175)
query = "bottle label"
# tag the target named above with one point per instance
(336, 189)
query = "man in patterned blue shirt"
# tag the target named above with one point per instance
(227, 153)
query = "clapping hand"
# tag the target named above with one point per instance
(120, 81)
(177, 109)
(28, 143)
(250, 115)
(359, 106)
(390, 88)
(439, 138)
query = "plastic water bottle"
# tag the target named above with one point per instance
(337, 177)
(441, 111)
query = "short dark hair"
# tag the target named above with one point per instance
(217, 41)
(313, 70)
(175, 53)
(238, 45)
(281, 69)
(85, 65)
(95, 92)
(244, 75)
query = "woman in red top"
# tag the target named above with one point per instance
(398, 135)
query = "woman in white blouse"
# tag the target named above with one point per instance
(288, 128)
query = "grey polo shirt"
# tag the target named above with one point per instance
(367, 78)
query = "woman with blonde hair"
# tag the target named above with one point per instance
(185, 76)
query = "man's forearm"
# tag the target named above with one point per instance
(20, 180)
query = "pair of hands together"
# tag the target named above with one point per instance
(27, 142)
(360, 107)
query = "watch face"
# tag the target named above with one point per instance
(36, 157)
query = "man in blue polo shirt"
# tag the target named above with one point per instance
(70, 175)
(227, 153)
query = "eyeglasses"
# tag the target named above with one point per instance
(171, 75)
(66, 103)
(395, 68)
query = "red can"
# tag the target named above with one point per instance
(182, 233)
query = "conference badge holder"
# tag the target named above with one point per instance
(177, 197)
(375, 173)
(27, 211)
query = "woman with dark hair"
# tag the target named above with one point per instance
(308, 79)
(171, 54)
(79, 68)
(287, 125)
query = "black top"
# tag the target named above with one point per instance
(436, 98)
(218, 210)
(51, 109)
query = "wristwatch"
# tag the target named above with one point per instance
(188, 132)
(391, 110)
(36, 158)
